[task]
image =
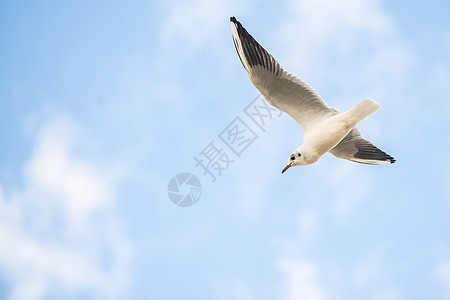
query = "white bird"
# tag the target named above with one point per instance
(325, 129)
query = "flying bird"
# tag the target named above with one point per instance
(325, 129)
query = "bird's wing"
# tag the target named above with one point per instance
(280, 88)
(355, 148)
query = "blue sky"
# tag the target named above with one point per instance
(103, 103)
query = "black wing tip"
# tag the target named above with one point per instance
(236, 22)
(370, 152)
(391, 159)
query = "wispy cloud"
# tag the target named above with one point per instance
(350, 185)
(58, 232)
(442, 274)
(308, 221)
(193, 23)
(302, 279)
(365, 43)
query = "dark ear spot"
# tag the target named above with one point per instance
(299, 154)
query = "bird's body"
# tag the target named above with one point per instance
(328, 133)
(324, 128)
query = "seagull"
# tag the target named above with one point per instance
(325, 129)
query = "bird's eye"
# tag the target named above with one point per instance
(292, 157)
(299, 154)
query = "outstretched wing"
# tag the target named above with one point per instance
(355, 148)
(280, 88)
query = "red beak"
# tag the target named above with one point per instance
(287, 167)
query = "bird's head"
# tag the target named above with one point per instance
(295, 159)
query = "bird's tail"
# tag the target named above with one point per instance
(363, 109)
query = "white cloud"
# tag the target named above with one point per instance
(443, 275)
(388, 294)
(235, 288)
(438, 81)
(242, 292)
(58, 232)
(308, 221)
(351, 185)
(194, 23)
(348, 43)
(302, 279)
(369, 270)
